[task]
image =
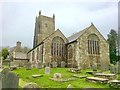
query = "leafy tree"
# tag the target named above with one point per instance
(5, 53)
(112, 40)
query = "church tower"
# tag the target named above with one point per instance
(44, 26)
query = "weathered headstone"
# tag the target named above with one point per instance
(47, 70)
(57, 76)
(63, 64)
(54, 64)
(28, 66)
(30, 85)
(39, 65)
(112, 69)
(10, 80)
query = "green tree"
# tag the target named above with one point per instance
(112, 40)
(5, 53)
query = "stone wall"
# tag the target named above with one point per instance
(20, 63)
(45, 56)
(84, 59)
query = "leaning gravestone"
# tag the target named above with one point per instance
(10, 80)
(54, 64)
(63, 64)
(28, 66)
(47, 70)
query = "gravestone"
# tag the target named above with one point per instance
(54, 64)
(112, 69)
(10, 80)
(30, 85)
(63, 64)
(28, 66)
(57, 76)
(5, 71)
(39, 65)
(47, 70)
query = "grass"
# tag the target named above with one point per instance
(45, 82)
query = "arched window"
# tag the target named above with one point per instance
(57, 47)
(93, 44)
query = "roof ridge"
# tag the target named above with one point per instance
(77, 34)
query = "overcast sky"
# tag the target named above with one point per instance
(18, 18)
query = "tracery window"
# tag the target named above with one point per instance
(93, 44)
(57, 46)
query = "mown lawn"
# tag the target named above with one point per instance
(45, 82)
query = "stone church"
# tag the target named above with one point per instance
(81, 50)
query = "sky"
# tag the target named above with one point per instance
(18, 17)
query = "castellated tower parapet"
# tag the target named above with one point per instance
(44, 26)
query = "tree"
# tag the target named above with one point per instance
(112, 40)
(5, 53)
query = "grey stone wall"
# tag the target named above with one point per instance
(84, 58)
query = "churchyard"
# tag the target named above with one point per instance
(53, 78)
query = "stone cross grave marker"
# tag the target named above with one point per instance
(54, 64)
(47, 70)
(28, 66)
(63, 64)
(10, 80)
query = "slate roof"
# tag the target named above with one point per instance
(77, 35)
